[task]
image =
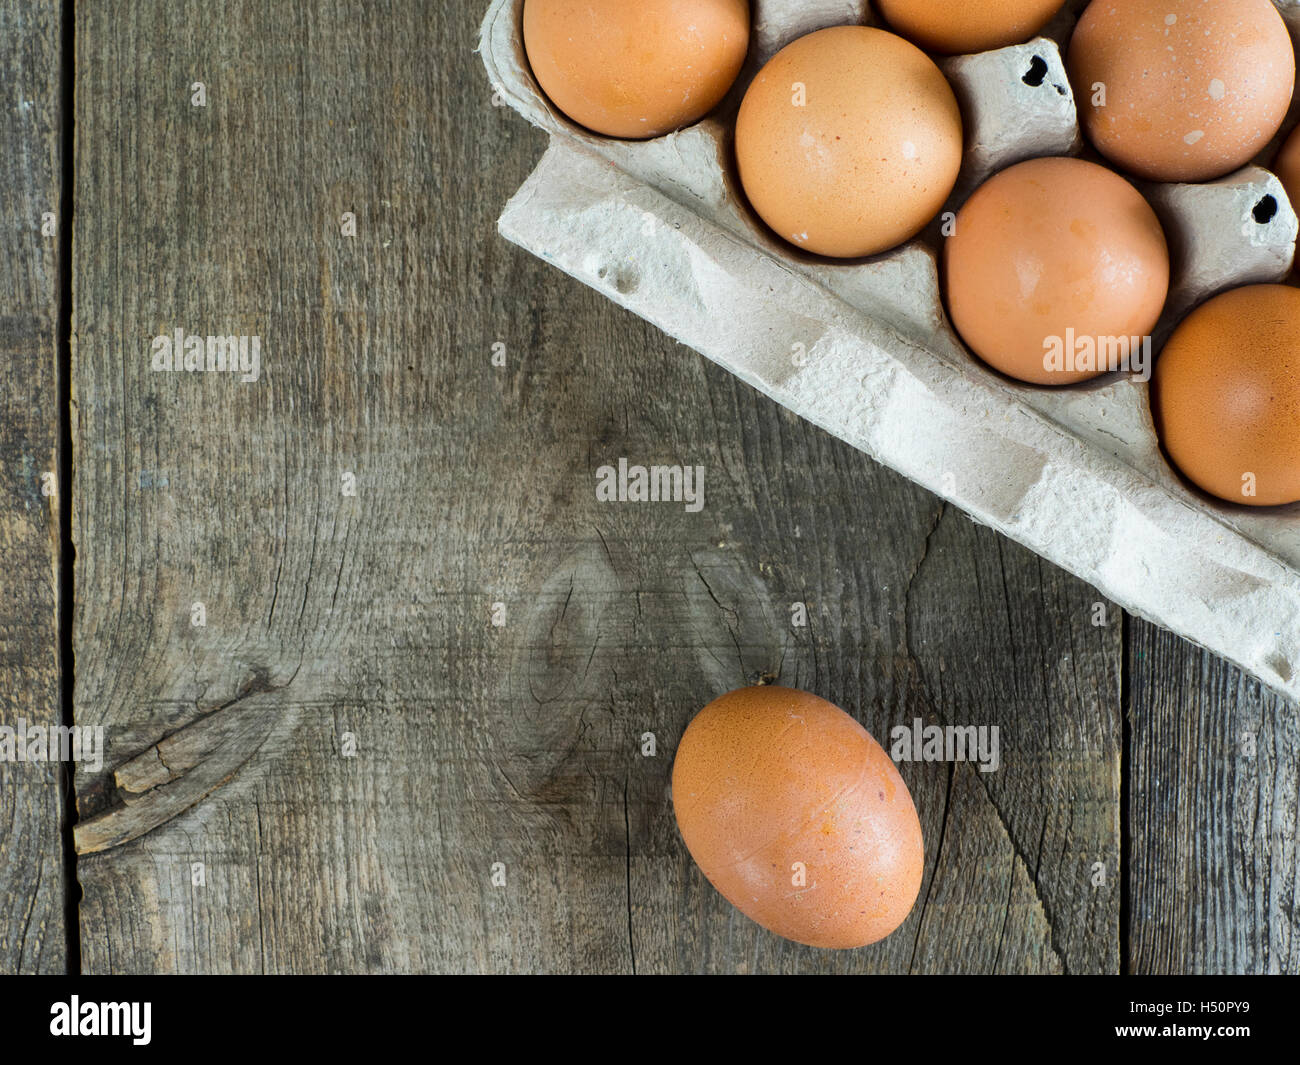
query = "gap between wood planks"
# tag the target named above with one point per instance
(1125, 794)
(67, 552)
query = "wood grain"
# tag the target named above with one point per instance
(1216, 814)
(513, 749)
(32, 890)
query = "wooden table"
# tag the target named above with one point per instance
(408, 733)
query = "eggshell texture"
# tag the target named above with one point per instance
(968, 26)
(849, 141)
(636, 70)
(1048, 250)
(1194, 89)
(767, 777)
(1226, 395)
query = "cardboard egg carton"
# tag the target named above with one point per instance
(864, 349)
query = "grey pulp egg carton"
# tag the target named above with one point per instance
(864, 349)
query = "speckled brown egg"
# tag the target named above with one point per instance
(1226, 396)
(849, 141)
(968, 26)
(798, 817)
(636, 70)
(1056, 272)
(1181, 90)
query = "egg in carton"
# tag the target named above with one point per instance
(864, 349)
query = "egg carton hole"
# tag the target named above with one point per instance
(1036, 75)
(1265, 211)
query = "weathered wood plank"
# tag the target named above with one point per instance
(1215, 814)
(481, 746)
(1005, 639)
(32, 891)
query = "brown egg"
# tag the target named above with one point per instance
(1181, 90)
(636, 70)
(1057, 271)
(849, 141)
(1226, 396)
(1287, 168)
(798, 817)
(968, 26)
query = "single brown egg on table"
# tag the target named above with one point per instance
(968, 26)
(1226, 396)
(798, 817)
(636, 70)
(1181, 90)
(1056, 272)
(849, 141)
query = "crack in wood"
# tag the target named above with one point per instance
(183, 768)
